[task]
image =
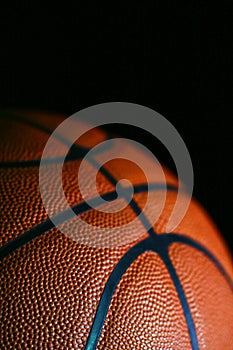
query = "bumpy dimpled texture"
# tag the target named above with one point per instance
(51, 287)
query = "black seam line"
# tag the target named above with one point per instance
(35, 125)
(160, 245)
(134, 206)
(28, 122)
(64, 216)
(182, 298)
(157, 244)
(182, 239)
(76, 153)
(113, 181)
(72, 156)
(103, 171)
(36, 162)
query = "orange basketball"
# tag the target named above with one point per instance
(160, 291)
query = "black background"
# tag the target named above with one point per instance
(175, 58)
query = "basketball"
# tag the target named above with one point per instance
(69, 287)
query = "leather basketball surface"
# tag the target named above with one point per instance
(52, 285)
